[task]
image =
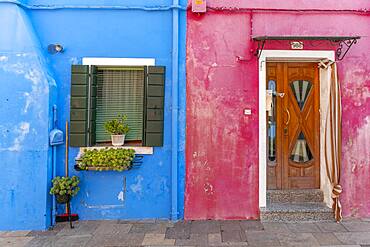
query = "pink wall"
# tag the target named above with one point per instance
(222, 143)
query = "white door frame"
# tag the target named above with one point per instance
(276, 55)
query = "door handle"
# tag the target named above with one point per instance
(281, 95)
(288, 113)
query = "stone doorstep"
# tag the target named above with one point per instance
(295, 196)
(296, 212)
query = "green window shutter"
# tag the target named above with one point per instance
(120, 90)
(154, 106)
(83, 95)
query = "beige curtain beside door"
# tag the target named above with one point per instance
(332, 123)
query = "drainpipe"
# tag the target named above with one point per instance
(175, 106)
(55, 139)
(54, 168)
(54, 205)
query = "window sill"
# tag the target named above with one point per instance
(138, 150)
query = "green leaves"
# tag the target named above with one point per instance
(107, 159)
(65, 186)
(117, 126)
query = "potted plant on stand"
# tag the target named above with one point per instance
(64, 188)
(118, 128)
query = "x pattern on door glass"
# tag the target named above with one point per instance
(301, 90)
(301, 152)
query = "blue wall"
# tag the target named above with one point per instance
(83, 33)
(27, 91)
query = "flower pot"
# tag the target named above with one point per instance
(118, 140)
(63, 199)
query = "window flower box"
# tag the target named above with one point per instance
(108, 159)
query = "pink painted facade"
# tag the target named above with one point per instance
(222, 143)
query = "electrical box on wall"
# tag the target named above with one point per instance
(199, 6)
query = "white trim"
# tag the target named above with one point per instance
(138, 150)
(276, 55)
(118, 61)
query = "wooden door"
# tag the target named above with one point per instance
(293, 143)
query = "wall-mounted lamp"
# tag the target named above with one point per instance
(55, 48)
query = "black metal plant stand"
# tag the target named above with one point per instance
(66, 200)
(69, 214)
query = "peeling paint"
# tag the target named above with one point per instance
(22, 130)
(3, 58)
(137, 188)
(208, 189)
(121, 196)
(35, 74)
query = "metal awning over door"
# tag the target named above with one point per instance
(343, 43)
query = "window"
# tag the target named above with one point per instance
(120, 91)
(100, 93)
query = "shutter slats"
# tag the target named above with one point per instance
(154, 106)
(80, 136)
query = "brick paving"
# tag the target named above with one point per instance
(349, 233)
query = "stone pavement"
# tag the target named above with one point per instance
(349, 233)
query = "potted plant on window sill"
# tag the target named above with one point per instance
(118, 128)
(64, 188)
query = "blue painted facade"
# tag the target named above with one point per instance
(32, 80)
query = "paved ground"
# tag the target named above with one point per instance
(349, 233)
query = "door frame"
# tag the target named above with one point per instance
(278, 56)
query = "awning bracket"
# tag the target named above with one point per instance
(260, 46)
(343, 48)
